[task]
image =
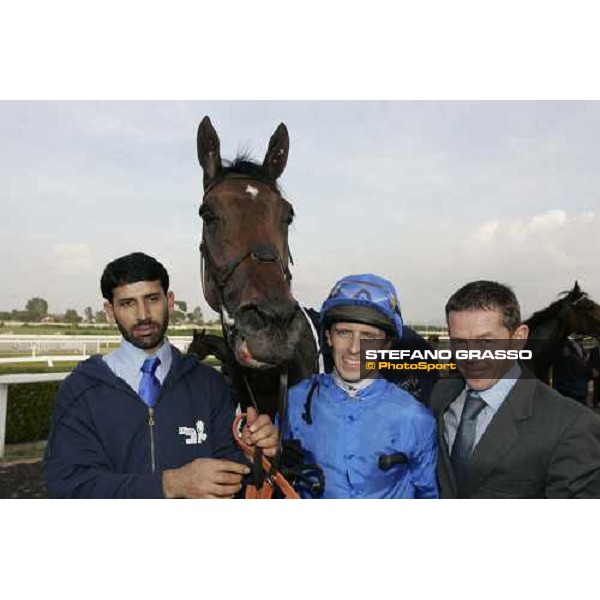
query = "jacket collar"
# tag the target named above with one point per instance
(96, 368)
(365, 392)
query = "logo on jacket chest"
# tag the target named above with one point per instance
(194, 435)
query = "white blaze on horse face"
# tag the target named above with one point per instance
(252, 191)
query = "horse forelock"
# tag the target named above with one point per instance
(243, 164)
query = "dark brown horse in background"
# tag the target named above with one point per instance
(246, 272)
(575, 312)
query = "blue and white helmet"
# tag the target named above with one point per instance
(366, 298)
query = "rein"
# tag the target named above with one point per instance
(263, 485)
(266, 474)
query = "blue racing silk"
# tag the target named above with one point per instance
(351, 430)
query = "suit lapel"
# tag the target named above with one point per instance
(444, 454)
(501, 434)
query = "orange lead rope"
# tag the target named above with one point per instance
(273, 478)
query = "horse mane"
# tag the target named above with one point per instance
(544, 314)
(244, 164)
(547, 313)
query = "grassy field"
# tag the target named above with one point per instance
(56, 329)
(61, 367)
(16, 368)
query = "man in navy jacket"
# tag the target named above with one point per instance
(145, 421)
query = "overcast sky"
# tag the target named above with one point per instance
(429, 194)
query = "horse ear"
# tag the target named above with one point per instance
(576, 289)
(209, 151)
(277, 153)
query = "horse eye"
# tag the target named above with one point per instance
(290, 216)
(207, 215)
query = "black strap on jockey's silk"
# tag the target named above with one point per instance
(306, 415)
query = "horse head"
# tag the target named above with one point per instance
(245, 254)
(582, 314)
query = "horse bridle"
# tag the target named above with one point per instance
(258, 253)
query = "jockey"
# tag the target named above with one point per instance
(371, 438)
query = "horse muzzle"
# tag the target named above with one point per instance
(266, 337)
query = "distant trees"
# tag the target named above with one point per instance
(196, 316)
(72, 317)
(181, 305)
(37, 309)
(180, 315)
(177, 317)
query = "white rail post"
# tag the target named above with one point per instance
(3, 402)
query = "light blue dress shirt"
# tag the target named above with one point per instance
(127, 360)
(493, 398)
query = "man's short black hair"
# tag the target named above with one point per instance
(131, 269)
(487, 295)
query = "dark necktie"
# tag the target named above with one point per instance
(149, 385)
(465, 436)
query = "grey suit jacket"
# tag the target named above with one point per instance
(538, 445)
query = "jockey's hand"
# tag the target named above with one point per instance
(259, 431)
(204, 478)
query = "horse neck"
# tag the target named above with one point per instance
(543, 341)
(548, 330)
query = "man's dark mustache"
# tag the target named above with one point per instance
(145, 323)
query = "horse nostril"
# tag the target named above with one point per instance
(253, 317)
(267, 316)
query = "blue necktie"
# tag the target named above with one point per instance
(465, 436)
(149, 385)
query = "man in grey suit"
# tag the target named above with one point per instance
(508, 435)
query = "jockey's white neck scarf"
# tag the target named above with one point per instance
(351, 387)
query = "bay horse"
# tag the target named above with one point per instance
(246, 275)
(575, 312)
(246, 278)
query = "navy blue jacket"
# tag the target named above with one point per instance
(103, 443)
